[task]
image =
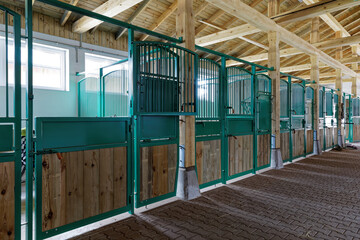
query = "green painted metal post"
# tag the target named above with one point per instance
(351, 139)
(132, 184)
(254, 96)
(290, 118)
(224, 140)
(303, 121)
(29, 126)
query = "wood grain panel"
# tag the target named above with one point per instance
(285, 145)
(321, 138)
(298, 138)
(264, 150)
(158, 166)
(240, 154)
(329, 137)
(78, 185)
(309, 141)
(335, 136)
(356, 132)
(7, 197)
(208, 160)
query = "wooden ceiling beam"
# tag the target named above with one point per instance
(314, 10)
(170, 10)
(293, 51)
(226, 35)
(334, 24)
(110, 8)
(67, 13)
(132, 18)
(258, 20)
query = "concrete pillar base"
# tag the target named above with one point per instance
(317, 147)
(341, 142)
(276, 159)
(187, 185)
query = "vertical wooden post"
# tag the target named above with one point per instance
(274, 61)
(354, 66)
(188, 186)
(314, 76)
(338, 86)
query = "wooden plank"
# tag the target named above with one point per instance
(51, 192)
(309, 141)
(199, 160)
(120, 177)
(298, 142)
(284, 146)
(74, 186)
(91, 183)
(172, 166)
(106, 182)
(110, 8)
(263, 154)
(7, 201)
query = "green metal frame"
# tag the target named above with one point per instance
(12, 122)
(51, 138)
(302, 117)
(312, 114)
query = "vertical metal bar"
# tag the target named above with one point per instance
(223, 82)
(290, 117)
(133, 60)
(29, 131)
(17, 115)
(254, 92)
(7, 63)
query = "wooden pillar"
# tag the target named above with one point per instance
(338, 84)
(185, 28)
(355, 67)
(188, 184)
(274, 61)
(314, 73)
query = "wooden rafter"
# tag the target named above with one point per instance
(110, 8)
(67, 13)
(132, 18)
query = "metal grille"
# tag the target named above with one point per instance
(284, 99)
(321, 103)
(239, 91)
(329, 103)
(208, 90)
(356, 107)
(166, 78)
(115, 98)
(89, 97)
(309, 107)
(297, 105)
(263, 100)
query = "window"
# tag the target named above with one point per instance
(93, 63)
(50, 70)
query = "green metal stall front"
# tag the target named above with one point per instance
(10, 128)
(165, 86)
(285, 121)
(208, 128)
(309, 119)
(298, 131)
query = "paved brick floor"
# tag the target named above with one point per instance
(316, 198)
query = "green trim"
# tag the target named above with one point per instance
(82, 223)
(149, 201)
(262, 167)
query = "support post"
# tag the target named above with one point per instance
(274, 61)
(314, 76)
(355, 67)
(338, 86)
(188, 184)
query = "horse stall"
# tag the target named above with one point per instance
(298, 119)
(285, 125)
(309, 119)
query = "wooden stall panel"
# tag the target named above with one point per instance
(158, 170)
(335, 136)
(7, 198)
(309, 141)
(356, 132)
(240, 154)
(285, 145)
(264, 150)
(321, 138)
(78, 185)
(208, 160)
(298, 142)
(329, 137)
